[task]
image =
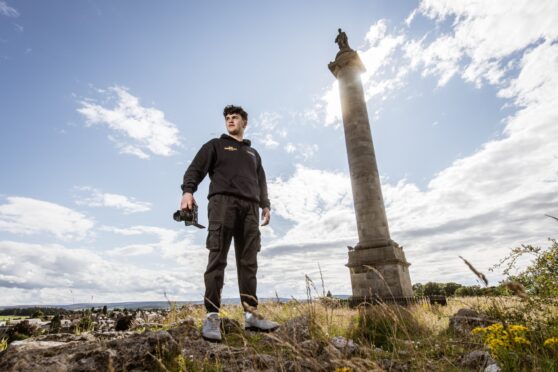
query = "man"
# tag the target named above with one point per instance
(238, 187)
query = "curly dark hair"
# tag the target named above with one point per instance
(232, 109)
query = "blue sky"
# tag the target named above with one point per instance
(103, 104)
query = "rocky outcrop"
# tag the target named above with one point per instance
(130, 351)
(479, 360)
(465, 320)
(290, 348)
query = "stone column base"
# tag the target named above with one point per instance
(380, 272)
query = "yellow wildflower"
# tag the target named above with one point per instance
(478, 330)
(521, 340)
(497, 337)
(517, 328)
(553, 341)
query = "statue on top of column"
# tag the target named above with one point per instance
(342, 40)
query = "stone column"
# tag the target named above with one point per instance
(377, 264)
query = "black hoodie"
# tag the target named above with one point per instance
(234, 168)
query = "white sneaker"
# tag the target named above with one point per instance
(253, 323)
(211, 330)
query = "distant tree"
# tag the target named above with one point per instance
(418, 289)
(105, 310)
(467, 291)
(55, 324)
(433, 289)
(450, 288)
(38, 314)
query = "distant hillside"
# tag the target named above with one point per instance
(141, 304)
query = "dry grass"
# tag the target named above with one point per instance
(417, 335)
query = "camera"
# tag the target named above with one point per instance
(190, 217)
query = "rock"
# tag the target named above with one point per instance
(69, 337)
(230, 326)
(153, 317)
(295, 330)
(304, 364)
(493, 368)
(466, 319)
(124, 323)
(348, 347)
(392, 365)
(330, 352)
(264, 361)
(309, 347)
(477, 359)
(111, 335)
(185, 330)
(137, 323)
(67, 352)
(30, 344)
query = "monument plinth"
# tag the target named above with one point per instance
(377, 264)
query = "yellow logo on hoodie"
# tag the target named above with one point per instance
(231, 148)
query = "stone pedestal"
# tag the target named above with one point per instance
(377, 264)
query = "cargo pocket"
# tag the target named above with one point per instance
(259, 240)
(213, 242)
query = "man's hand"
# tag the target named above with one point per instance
(266, 215)
(188, 201)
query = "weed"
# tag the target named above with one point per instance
(3, 344)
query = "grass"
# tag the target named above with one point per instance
(417, 336)
(13, 317)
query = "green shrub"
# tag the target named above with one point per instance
(21, 331)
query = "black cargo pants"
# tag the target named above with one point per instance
(232, 217)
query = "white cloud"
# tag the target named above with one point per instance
(309, 193)
(410, 18)
(54, 274)
(269, 142)
(7, 10)
(267, 130)
(131, 250)
(290, 148)
(376, 32)
(483, 34)
(537, 81)
(27, 216)
(137, 130)
(302, 151)
(171, 243)
(267, 121)
(96, 198)
(307, 151)
(470, 214)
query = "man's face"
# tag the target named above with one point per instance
(235, 124)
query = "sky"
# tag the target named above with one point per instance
(104, 104)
